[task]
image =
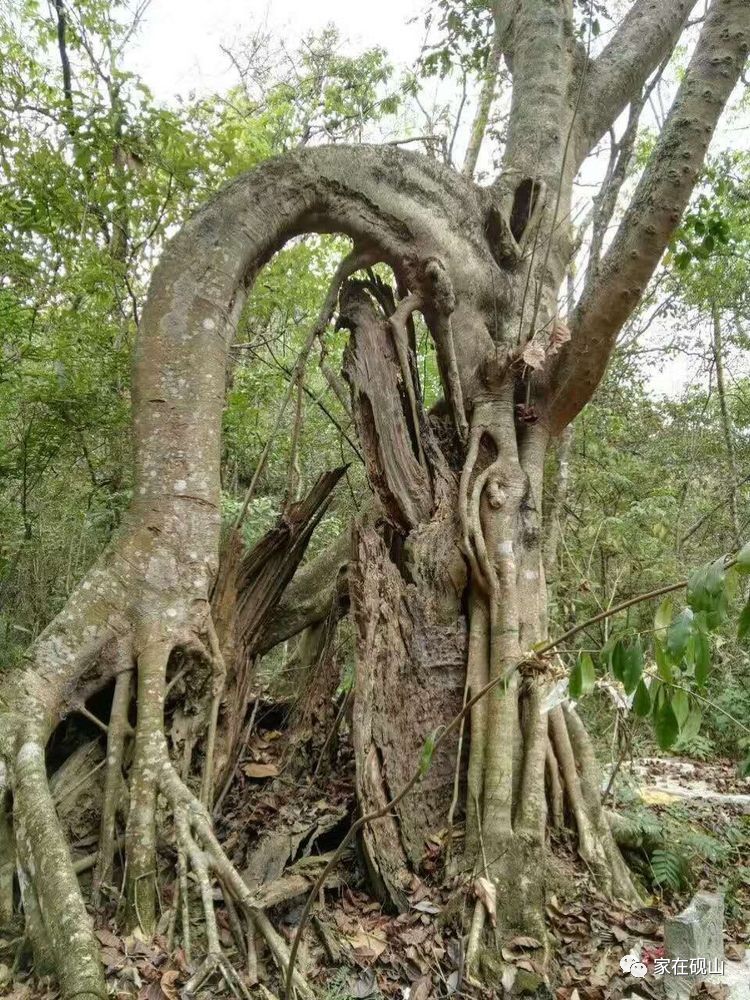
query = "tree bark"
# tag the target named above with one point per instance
(461, 522)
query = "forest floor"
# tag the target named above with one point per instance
(279, 825)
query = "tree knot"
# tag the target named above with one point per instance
(439, 287)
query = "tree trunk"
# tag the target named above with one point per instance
(451, 573)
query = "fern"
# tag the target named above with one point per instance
(703, 845)
(669, 869)
(699, 746)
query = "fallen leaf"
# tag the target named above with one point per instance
(364, 985)
(421, 989)
(368, 944)
(111, 958)
(524, 942)
(168, 984)
(108, 939)
(425, 906)
(260, 770)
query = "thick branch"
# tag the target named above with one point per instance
(486, 94)
(656, 209)
(647, 34)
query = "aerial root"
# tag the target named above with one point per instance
(113, 780)
(478, 919)
(199, 850)
(219, 673)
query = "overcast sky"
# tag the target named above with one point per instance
(179, 46)
(178, 51)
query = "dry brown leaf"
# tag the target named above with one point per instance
(421, 989)
(414, 935)
(168, 984)
(368, 945)
(108, 939)
(533, 355)
(560, 335)
(112, 958)
(524, 942)
(260, 770)
(508, 978)
(426, 906)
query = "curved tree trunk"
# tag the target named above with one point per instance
(457, 551)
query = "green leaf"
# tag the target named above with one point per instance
(701, 656)
(692, 724)
(588, 673)
(663, 666)
(668, 868)
(666, 726)
(743, 559)
(680, 706)
(633, 667)
(679, 632)
(575, 681)
(744, 768)
(642, 700)
(427, 751)
(582, 676)
(618, 659)
(706, 592)
(663, 616)
(744, 623)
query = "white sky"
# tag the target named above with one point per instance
(178, 52)
(178, 48)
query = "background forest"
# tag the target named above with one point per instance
(651, 481)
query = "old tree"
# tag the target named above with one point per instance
(444, 575)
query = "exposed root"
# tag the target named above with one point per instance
(596, 845)
(398, 320)
(216, 962)
(57, 920)
(219, 674)
(555, 790)
(113, 782)
(478, 920)
(198, 844)
(7, 852)
(140, 836)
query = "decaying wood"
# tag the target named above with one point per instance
(409, 680)
(486, 266)
(247, 594)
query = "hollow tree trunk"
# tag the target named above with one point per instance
(449, 543)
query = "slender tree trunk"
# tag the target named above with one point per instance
(726, 422)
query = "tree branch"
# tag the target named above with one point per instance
(63, 49)
(656, 208)
(647, 34)
(487, 92)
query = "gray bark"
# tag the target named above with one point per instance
(656, 208)
(648, 32)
